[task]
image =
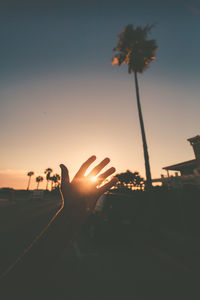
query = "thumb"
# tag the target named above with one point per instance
(64, 174)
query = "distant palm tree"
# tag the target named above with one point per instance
(48, 172)
(38, 180)
(137, 52)
(31, 173)
(54, 179)
(57, 176)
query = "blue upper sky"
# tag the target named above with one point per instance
(72, 34)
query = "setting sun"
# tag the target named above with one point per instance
(93, 179)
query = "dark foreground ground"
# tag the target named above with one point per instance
(115, 259)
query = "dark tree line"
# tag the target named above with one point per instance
(54, 179)
(130, 180)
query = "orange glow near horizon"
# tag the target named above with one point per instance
(98, 118)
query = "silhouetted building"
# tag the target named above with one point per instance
(188, 167)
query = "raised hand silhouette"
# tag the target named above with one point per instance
(78, 199)
(81, 194)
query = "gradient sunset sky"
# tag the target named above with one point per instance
(61, 100)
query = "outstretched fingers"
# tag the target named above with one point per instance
(107, 186)
(84, 167)
(99, 167)
(64, 174)
(104, 175)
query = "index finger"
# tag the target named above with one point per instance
(84, 167)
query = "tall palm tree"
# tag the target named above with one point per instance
(31, 173)
(48, 172)
(38, 180)
(135, 50)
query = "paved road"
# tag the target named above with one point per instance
(88, 271)
(20, 223)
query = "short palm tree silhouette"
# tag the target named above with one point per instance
(48, 172)
(38, 180)
(55, 179)
(137, 52)
(31, 173)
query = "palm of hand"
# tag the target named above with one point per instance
(82, 193)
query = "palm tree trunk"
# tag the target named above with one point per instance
(38, 185)
(29, 180)
(148, 184)
(47, 184)
(51, 185)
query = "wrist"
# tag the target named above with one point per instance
(75, 213)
